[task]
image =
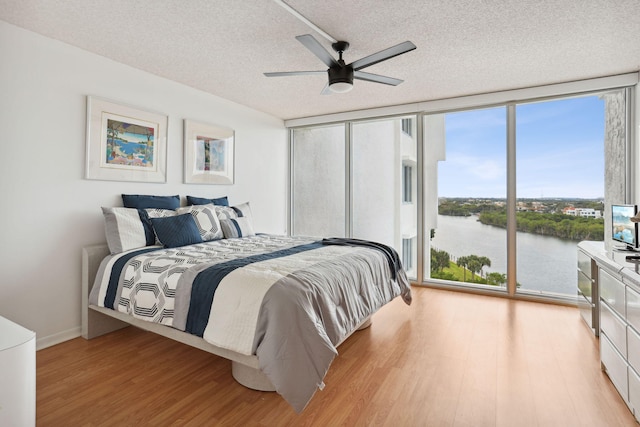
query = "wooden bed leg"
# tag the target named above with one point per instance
(249, 377)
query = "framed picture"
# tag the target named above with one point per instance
(208, 153)
(125, 143)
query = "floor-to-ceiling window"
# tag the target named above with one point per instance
(383, 159)
(560, 188)
(494, 198)
(466, 161)
(559, 148)
(376, 166)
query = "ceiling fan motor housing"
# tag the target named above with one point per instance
(342, 74)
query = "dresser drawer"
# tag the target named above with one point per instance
(584, 264)
(634, 393)
(584, 285)
(633, 308)
(614, 327)
(612, 291)
(633, 348)
(615, 366)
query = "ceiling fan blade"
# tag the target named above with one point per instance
(294, 73)
(361, 75)
(383, 55)
(318, 50)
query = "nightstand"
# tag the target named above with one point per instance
(17, 375)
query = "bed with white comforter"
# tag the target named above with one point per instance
(287, 300)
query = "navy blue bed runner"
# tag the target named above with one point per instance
(206, 282)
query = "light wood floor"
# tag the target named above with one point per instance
(450, 359)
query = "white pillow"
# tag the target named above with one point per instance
(242, 210)
(125, 229)
(237, 227)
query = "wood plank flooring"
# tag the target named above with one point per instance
(449, 359)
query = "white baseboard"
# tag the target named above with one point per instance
(54, 339)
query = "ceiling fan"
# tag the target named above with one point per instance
(341, 75)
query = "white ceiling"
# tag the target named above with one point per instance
(464, 47)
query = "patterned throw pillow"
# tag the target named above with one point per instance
(206, 221)
(231, 212)
(237, 227)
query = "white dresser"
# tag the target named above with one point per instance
(17, 375)
(619, 320)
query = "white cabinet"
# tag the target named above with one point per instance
(614, 329)
(619, 320)
(17, 375)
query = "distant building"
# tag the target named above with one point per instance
(583, 212)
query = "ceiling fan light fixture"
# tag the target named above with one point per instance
(340, 87)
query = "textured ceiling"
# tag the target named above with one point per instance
(464, 47)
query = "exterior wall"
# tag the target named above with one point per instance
(615, 155)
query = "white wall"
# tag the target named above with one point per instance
(48, 212)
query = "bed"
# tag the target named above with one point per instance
(276, 306)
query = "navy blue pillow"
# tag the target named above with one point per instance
(140, 201)
(220, 201)
(174, 231)
(147, 227)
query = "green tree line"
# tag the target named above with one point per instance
(454, 208)
(556, 225)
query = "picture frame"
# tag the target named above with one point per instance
(208, 153)
(125, 143)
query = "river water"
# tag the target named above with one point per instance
(545, 264)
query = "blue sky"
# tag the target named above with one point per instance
(559, 151)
